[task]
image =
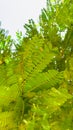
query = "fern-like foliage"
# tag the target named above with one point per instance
(33, 93)
(23, 85)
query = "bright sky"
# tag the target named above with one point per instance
(15, 13)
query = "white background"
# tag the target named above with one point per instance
(15, 13)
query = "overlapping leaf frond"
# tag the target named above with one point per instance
(25, 75)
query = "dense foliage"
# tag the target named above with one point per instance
(36, 78)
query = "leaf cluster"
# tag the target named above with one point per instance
(36, 80)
